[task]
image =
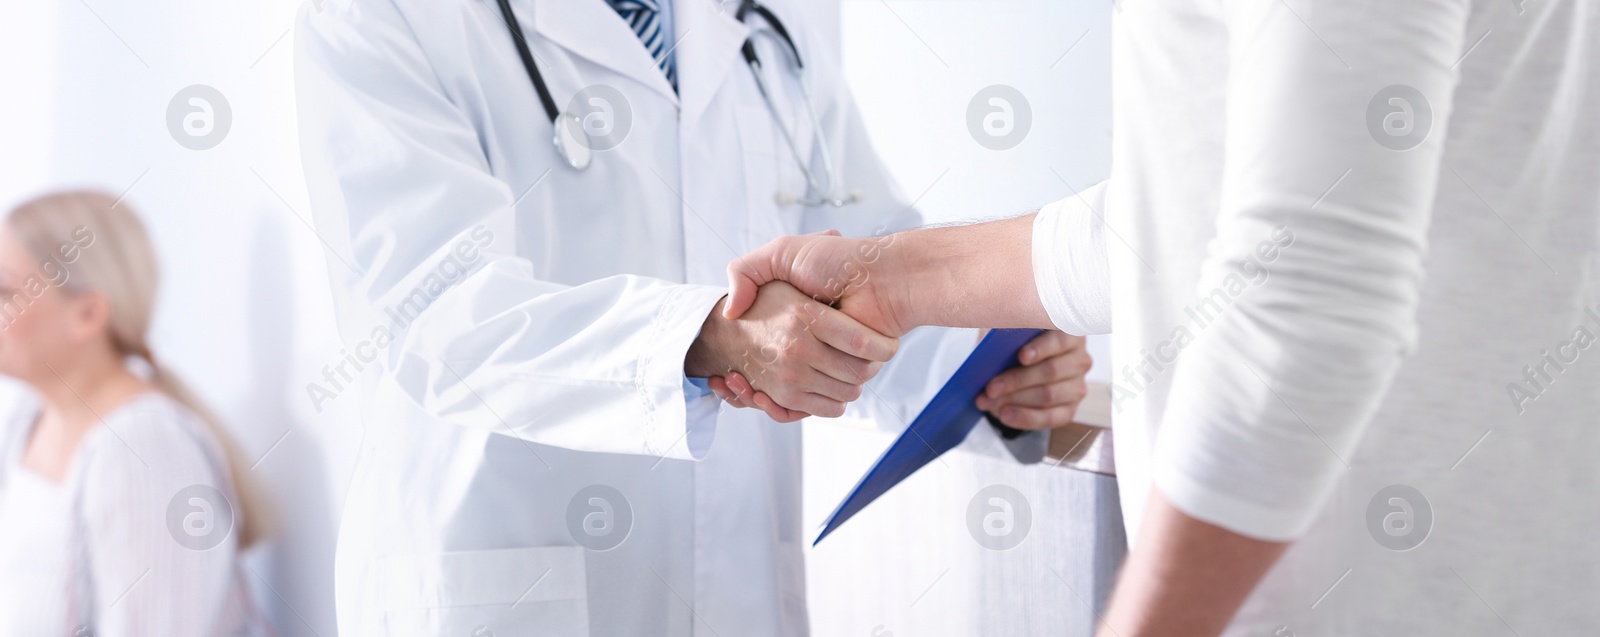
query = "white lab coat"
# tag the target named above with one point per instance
(538, 316)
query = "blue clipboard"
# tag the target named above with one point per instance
(942, 425)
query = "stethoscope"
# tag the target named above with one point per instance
(572, 142)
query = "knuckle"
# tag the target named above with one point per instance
(989, 389)
(873, 368)
(1057, 392)
(1062, 415)
(789, 337)
(1062, 366)
(1050, 418)
(1026, 418)
(1080, 390)
(798, 351)
(859, 342)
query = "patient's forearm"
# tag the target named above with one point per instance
(1185, 576)
(978, 275)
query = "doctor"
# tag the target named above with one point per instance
(528, 237)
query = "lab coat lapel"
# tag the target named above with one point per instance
(593, 30)
(708, 38)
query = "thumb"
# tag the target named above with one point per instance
(748, 273)
(743, 281)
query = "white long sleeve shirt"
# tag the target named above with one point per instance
(1350, 252)
(100, 553)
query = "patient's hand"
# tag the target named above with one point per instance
(804, 357)
(853, 274)
(1042, 392)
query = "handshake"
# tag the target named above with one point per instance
(810, 319)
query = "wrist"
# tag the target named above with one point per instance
(707, 355)
(895, 278)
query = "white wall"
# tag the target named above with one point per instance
(244, 313)
(909, 565)
(915, 66)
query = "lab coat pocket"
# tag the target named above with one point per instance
(522, 591)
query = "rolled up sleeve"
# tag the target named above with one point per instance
(1070, 267)
(1269, 402)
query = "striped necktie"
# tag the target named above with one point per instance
(643, 16)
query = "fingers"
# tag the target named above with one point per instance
(1050, 343)
(815, 404)
(740, 385)
(741, 394)
(849, 336)
(749, 397)
(743, 283)
(841, 366)
(1059, 393)
(1033, 419)
(1071, 365)
(775, 411)
(748, 273)
(847, 369)
(1036, 394)
(720, 387)
(790, 385)
(814, 358)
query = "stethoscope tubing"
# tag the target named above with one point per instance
(515, 27)
(747, 50)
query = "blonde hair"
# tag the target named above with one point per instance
(121, 266)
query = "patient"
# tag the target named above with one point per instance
(123, 510)
(1334, 254)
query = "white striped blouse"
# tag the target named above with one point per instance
(138, 540)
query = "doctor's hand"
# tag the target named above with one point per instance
(805, 357)
(1042, 392)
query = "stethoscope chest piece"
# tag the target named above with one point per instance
(572, 141)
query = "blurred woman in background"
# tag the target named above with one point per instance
(123, 509)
